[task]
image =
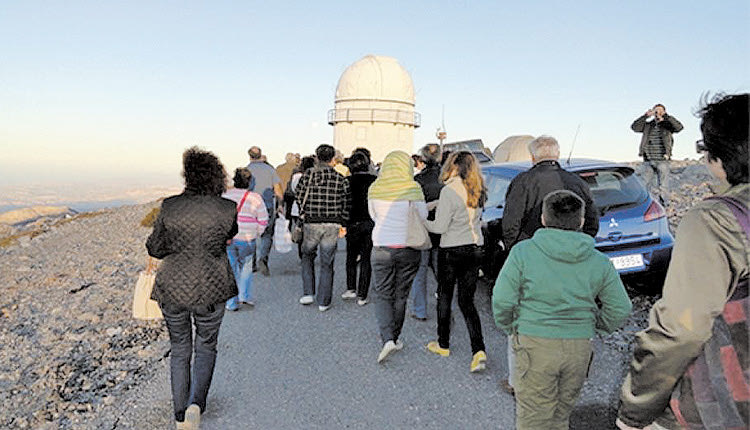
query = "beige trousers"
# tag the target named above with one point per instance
(548, 376)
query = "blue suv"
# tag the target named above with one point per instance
(633, 227)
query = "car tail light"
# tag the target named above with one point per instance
(654, 211)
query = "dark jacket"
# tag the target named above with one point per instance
(522, 215)
(329, 198)
(429, 179)
(359, 183)
(668, 126)
(190, 235)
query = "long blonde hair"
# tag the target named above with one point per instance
(464, 165)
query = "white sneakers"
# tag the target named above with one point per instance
(306, 300)
(192, 417)
(362, 302)
(324, 308)
(389, 348)
(349, 294)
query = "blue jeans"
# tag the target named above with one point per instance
(241, 255)
(191, 387)
(393, 270)
(427, 265)
(325, 236)
(656, 176)
(266, 239)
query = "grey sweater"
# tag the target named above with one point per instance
(457, 223)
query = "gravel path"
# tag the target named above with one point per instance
(282, 365)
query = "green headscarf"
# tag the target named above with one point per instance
(396, 179)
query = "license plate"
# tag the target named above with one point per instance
(627, 261)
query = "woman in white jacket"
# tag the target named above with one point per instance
(457, 220)
(394, 265)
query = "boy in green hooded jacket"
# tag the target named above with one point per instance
(545, 300)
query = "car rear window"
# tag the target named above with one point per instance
(612, 188)
(497, 186)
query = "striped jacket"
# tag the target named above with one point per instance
(252, 217)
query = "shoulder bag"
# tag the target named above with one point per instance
(417, 236)
(298, 230)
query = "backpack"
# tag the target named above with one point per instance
(714, 392)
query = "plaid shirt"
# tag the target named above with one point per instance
(328, 198)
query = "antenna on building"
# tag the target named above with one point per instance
(441, 133)
(573, 145)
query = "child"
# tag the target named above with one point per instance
(545, 300)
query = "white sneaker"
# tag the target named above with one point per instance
(389, 348)
(193, 417)
(362, 302)
(349, 294)
(306, 300)
(324, 308)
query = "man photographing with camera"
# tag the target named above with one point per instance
(656, 148)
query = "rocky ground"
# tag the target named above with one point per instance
(69, 343)
(71, 350)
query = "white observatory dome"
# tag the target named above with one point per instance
(376, 78)
(374, 108)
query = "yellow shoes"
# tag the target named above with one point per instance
(434, 347)
(478, 362)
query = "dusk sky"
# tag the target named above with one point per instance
(100, 92)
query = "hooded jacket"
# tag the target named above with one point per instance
(711, 257)
(549, 285)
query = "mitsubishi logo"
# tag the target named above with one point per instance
(613, 223)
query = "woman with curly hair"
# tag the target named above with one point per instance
(195, 279)
(457, 220)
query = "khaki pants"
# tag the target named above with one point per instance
(547, 377)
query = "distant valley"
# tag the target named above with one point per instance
(80, 198)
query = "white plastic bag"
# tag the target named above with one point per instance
(282, 238)
(143, 307)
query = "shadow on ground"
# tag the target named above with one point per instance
(587, 417)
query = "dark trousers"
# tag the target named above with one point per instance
(459, 265)
(192, 387)
(266, 238)
(394, 270)
(359, 247)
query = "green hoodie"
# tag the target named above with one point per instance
(549, 284)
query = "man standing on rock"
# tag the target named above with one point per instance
(268, 185)
(656, 148)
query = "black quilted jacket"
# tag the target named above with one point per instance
(190, 235)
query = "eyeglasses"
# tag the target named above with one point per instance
(700, 147)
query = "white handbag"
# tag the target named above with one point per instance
(143, 307)
(417, 236)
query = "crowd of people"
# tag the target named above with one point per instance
(554, 292)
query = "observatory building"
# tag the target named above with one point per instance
(374, 108)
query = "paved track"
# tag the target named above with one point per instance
(282, 365)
